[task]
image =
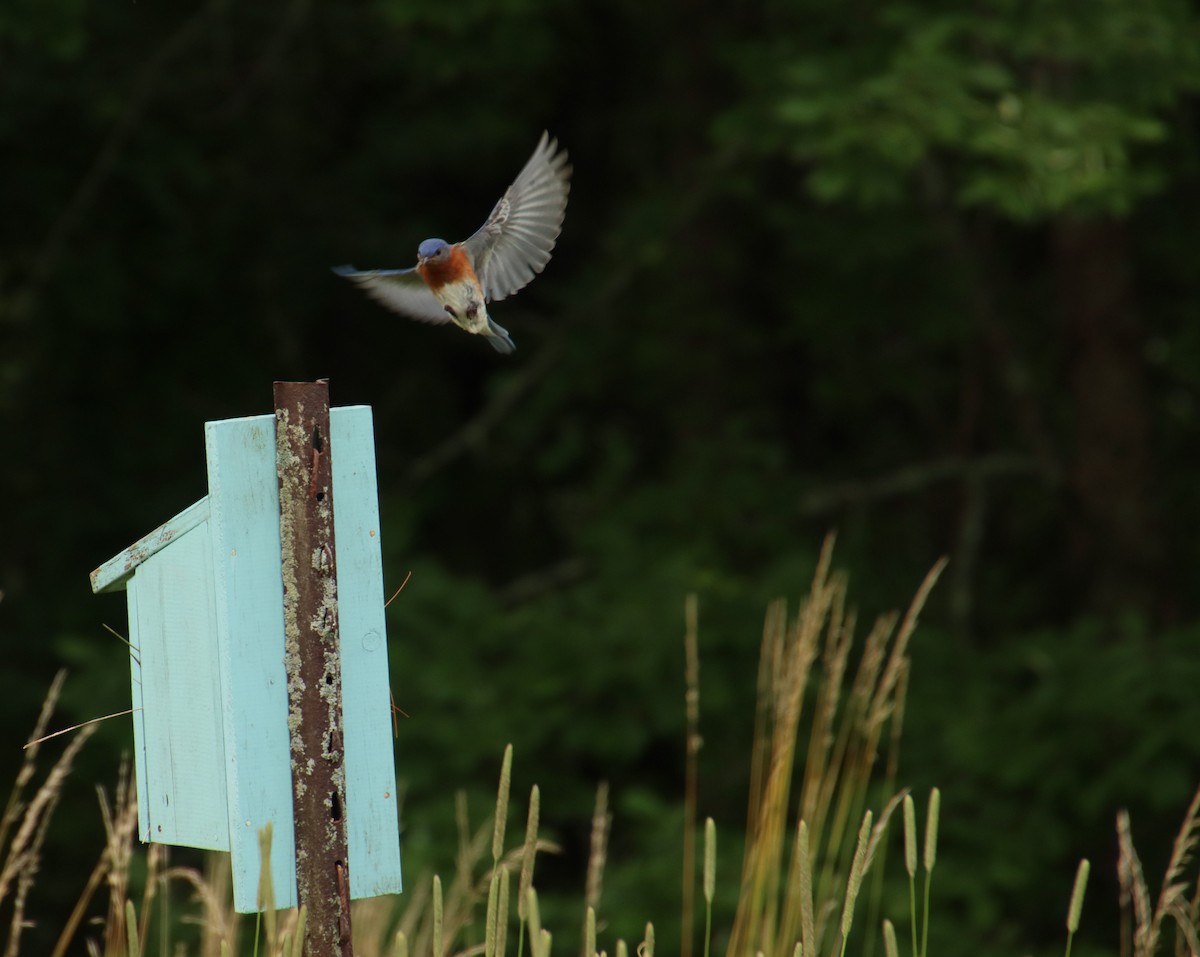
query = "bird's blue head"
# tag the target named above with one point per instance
(432, 249)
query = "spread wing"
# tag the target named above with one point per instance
(401, 290)
(515, 242)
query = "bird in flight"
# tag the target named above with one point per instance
(454, 282)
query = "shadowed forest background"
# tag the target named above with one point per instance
(921, 273)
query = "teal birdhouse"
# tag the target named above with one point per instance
(206, 635)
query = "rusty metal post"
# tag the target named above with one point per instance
(313, 661)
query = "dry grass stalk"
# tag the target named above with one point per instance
(1133, 885)
(373, 919)
(120, 825)
(1193, 914)
(768, 666)
(156, 857)
(597, 852)
(879, 831)
(501, 919)
(858, 867)
(535, 922)
(791, 652)
(25, 881)
(931, 829)
(828, 805)
(852, 709)
(439, 929)
(1125, 883)
(23, 850)
(489, 920)
(1141, 926)
(710, 859)
(133, 943)
(1075, 908)
(265, 900)
(416, 906)
(854, 748)
(873, 702)
(529, 851)
(1188, 934)
(910, 864)
(890, 947)
(710, 880)
(438, 918)
(455, 910)
(23, 825)
(808, 925)
(893, 765)
(1174, 889)
(15, 805)
(910, 836)
(501, 816)
(218, 921)
(646, 947)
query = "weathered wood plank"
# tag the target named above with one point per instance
(184, 755)
(371, 819)
(112, 575)
(249, 606)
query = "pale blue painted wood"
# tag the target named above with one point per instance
(112, 575)
(139, 713)
(244, 496)
(150, 624)
(182, 747)
(206, 631)
(372, 826)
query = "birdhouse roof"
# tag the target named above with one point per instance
(114, 573)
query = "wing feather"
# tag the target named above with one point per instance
(515, 243)
(401, 290)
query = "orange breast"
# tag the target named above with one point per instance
(454, 268)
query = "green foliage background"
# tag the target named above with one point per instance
(923, 273)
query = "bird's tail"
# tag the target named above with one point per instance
(499, 338)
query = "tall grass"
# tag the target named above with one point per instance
(822, 792)
(1142, 925)
(24, 821)
(795, 876)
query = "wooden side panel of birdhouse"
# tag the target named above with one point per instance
(244, 496)
(243, 493)
(139, 714)
(372, 827)
(181, 759)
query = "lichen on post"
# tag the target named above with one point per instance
(313, 661)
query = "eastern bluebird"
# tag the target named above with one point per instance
(455, 281)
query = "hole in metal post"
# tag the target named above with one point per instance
(335, 807)
(317, 442)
